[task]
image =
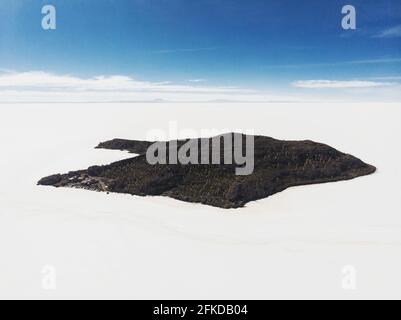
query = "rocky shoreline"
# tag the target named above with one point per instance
(278, 165)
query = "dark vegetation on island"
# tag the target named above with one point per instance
(278, 165)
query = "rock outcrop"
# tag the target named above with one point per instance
(278, 165)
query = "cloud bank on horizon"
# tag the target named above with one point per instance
(338, 84)
(256, 50)
(40, 86)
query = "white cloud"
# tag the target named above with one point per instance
(186, 50)
(375, 61)
(394, 32)
(39, 86)
(197, 80)
(45, 86)
(334, 64)
(39, 80)
(338, 84)
(386, 78)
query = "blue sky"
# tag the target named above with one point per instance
(252, 44)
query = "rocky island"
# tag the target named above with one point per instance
(278, 165)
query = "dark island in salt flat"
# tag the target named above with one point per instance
(278, 165)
